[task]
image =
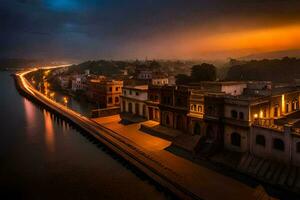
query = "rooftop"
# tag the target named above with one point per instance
(136, 87)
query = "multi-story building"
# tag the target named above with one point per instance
(134, 99)
(196, 112)
(174, 107)
(106, 93)
(154, 98)
(255, 117)
(79, 83)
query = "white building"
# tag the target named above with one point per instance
(160, 81)
(133, 100)
(78, 83)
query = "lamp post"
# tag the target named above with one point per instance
(66, 101)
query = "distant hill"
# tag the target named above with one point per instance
(276, 70)
(295, 53)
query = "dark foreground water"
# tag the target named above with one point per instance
(43, 158)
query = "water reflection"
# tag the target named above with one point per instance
(30, 116)
(49, 131)
(42, 159)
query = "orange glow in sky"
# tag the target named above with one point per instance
(199, 44)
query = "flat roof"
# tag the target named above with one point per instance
(136, 87)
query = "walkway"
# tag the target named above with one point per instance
(205, 181)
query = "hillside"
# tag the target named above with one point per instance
(276, 70)
(295, 53)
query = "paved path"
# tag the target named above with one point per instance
(133, 133)
(210, 184)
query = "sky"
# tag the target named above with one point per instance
(153, 29)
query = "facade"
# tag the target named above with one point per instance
(154, 98)
(106, 93)
(79, 83)
(174, 107)
(255, 117)
(64, 82)
(196, 112)
(160, 81)
(265, 126)
(134, 99)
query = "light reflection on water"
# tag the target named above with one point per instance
(41, 157)
(49, 131)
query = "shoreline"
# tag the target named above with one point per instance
(144, 160)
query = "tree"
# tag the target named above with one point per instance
(182, 79)
(203, 72)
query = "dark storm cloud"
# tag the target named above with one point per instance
(105, 28)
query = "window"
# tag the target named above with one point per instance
(178, 102)
(116, 99)
(110, 100)
(234, 114)
(278, 144)
(287, 107)
(117, 88)
(124, 92)
(236, 139)
(241, 115)
(260, 140)
(151, 97)
(167, 120)
(137, 93)
(192, 107)
(197, 129)
(298, 147)
(130, 92)
(199, 108)
(276, 111)
(110, 89)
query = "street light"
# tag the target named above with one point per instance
(52, 95)
(65, 101)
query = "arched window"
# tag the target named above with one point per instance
(192, 106)
(124, 106)
(137, 109)
(199, 108)
(298, 147)
(236, 139)
(241, 115)
(276, 108)
(167, 119)
(260, 140)
(130, 107)
(278, 144)
(144, 110)
(234, 114)
(197, 129)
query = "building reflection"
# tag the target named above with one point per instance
(49, 131)
(30, 116)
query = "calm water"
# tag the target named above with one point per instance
(41, 158)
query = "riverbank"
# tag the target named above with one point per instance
(183, 178)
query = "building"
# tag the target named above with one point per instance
(134, 99)
(79, 83)
(64, 82)
(174, 107)
(105, 93)
(154, 98)
(271, 124)
(256, 117)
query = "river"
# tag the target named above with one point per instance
(42, 157)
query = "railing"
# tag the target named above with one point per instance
(268, 123)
